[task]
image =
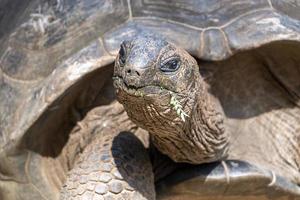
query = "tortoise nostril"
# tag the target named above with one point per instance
(132, 72)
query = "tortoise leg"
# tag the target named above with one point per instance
(111, 167)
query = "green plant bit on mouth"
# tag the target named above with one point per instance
(177, 107)
(139, 93)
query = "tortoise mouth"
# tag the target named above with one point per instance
(141, 91)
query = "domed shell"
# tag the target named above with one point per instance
(47, 47)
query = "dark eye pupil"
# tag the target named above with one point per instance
(173, 64)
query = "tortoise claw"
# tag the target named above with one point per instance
(273, 179)
(226, 171)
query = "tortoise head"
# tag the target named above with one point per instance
(152, 63)
(160, 87)
(152, 69)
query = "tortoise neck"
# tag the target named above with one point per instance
(206, 130)
(201, 138)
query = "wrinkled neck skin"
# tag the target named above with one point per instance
(200, 138)
(206, 132)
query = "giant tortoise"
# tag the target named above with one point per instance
(232, 123)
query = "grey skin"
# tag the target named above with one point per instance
(63, 135)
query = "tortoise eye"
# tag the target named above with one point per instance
(122, 55)
(171, 65)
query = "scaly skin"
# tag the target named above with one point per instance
(114, 165)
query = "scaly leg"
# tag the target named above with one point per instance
(111, 168)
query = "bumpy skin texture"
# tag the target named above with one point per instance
(115, 165)
(149, 72)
